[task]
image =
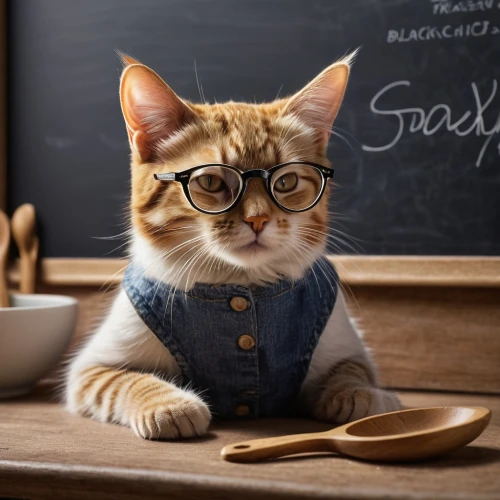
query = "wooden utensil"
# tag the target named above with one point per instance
(405, 435)
(23, 230)
(4, 255)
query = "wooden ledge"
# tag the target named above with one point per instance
(476, 272)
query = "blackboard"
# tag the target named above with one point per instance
(418, 167)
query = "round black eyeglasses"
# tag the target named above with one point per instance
(216, 188)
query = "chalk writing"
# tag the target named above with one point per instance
(425, 33)
(444, 7)
(438, 117)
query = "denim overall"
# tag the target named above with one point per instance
(248, 348)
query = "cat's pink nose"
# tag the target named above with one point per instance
(257, 222)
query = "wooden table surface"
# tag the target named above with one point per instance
(47, 453)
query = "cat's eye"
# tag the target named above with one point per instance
(216, 188)
(210, 183)
(297, 186)
(286, 183)
(213, 188)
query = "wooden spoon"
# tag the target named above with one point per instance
(4, 255)
(23, 230)
(398, 436)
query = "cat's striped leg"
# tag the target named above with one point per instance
(341, 384)
(348, 392)
(152, 407)
(132, 395)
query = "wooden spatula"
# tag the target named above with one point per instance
(23, 231)
(4, 254)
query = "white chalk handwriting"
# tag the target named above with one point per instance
(438, 117)
(445, 7)
(425, 33)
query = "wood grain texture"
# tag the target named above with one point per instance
(432, 338)
(353, 270)
(76, 272)
(48, 453)
(419, 271)
(421, 337)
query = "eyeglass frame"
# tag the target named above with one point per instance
(185, 176)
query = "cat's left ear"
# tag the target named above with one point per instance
(318, 103)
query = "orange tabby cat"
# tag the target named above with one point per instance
(125, 374)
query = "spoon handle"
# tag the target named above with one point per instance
(4, 295)
(275, 447)
(27, 267)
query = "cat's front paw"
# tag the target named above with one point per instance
(177, 415)
(353, 403)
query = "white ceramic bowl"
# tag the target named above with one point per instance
(34, 332)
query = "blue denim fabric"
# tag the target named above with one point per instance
(201, 331)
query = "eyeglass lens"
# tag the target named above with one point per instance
(215, 188)
(296, 186)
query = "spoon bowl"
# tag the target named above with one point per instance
(23, 231)
(405, 435)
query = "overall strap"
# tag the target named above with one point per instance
(154, 302)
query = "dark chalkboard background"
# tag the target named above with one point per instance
(425, 195)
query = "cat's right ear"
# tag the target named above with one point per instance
(152, 110)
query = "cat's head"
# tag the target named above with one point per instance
(256, 241)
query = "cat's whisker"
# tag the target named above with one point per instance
(331, 242)
(344, 286)
(203, 251)
(110, 281)
(340, 136)
(175, 277)
(119, 236)
(187, 265)
(328, 240)
(288, 258)
(220, 261)
(210, 255)
(326, 270)
(329, 274)
(173, 268)
(218, 254)
(347, 133)
(173, 284)
(200, 88)
(335, 238)
(125, 244)
(165, 255)
(306, 251)
(279, 91)
(163, 232)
